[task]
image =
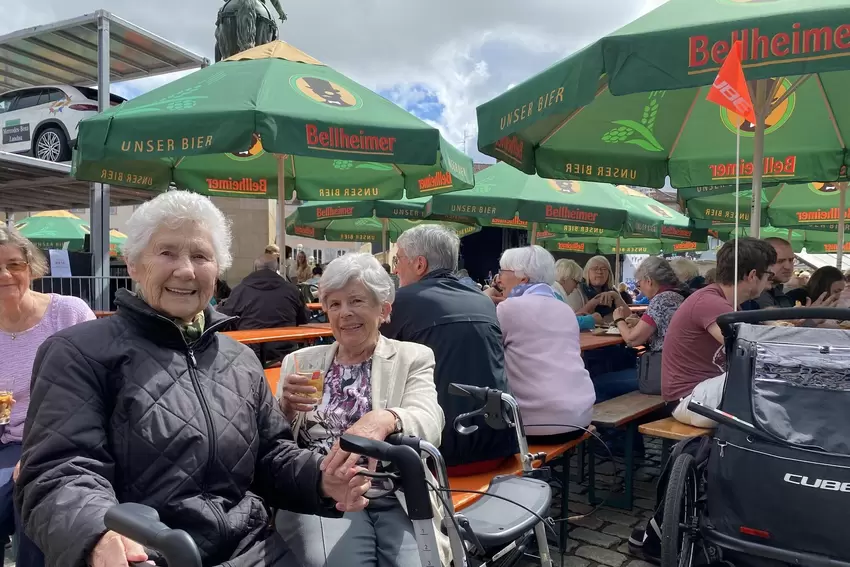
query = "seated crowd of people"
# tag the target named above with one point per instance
(154, 405)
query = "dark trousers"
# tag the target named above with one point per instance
(29, 555)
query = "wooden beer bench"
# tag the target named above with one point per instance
(670, 431)
(621, 412)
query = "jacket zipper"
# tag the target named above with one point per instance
(724, 444)
(205, 409)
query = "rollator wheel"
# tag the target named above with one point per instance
(679, 528)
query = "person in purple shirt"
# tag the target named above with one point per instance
(27, 318)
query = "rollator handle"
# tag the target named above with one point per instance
(141, 524)
(475, 392)
(410, 467)
(493, 409)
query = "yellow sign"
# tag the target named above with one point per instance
(325, 92)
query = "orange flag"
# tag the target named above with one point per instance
(730, 87)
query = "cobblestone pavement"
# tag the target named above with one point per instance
(601, 539)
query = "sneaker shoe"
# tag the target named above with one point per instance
(646, 543)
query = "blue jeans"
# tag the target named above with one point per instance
(613, 384)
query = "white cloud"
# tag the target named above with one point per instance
(463, 51)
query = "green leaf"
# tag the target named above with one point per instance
(648, 146)
(643, 131)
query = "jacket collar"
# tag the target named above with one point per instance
(163, 329)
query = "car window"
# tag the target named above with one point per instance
(27, 99)
(91, 94)
(50, 95)
(6, 102)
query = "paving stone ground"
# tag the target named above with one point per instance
(600, 539)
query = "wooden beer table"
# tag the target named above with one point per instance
(302, 333)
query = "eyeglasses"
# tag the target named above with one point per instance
(15, 267)
(598, 269)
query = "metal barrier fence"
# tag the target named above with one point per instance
(87, 288)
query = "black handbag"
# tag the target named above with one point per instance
(649, 373)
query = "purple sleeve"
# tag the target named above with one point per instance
(72, 310)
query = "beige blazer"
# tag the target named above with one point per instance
(403, 381)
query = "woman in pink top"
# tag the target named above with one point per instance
(542, 349)
(27, 318)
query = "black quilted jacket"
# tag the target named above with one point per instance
(123, 410)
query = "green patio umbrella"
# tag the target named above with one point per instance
(812, 206)
(620, 245)
(631, 108)
(62, 230)
(504, 196)
(268, 123)
(812, 241)
(58, 230)
(369, 229)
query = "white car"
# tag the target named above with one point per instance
(42, 121)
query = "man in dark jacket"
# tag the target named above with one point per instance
(264, 300)
(433, 308)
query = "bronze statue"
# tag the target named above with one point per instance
(243, 24)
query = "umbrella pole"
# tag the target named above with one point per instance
(762, 109)
(385, 241)
(617, 264)
(281, 213)
(842, 211)
(533, 233)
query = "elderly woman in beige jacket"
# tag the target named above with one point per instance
(373, 387)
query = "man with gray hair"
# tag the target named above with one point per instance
(263, 300)
(459, 324)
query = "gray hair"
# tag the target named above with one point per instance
(265, 264)
(172, 209)
(439, 246)
(658, 270)
(532, 262)
(685, 269)
(358, 267)
(567, 270)
(30, 252)
(602, 260)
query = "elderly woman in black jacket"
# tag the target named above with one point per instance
(153, 405)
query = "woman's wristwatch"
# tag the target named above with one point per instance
(399, 426)
(617, 321)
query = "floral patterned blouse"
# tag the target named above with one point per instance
(346, 398)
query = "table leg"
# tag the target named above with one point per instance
(623, 500)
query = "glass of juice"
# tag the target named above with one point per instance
(6, 402)
(312, 367)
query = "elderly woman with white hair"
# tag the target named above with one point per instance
(542, 349)
(152, 405)
(568, 275)
(372, 387)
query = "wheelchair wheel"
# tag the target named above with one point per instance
(679, 528)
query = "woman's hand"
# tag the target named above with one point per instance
(16, 472)
(597, 319)
(295, 398)
(622, 312)
(115, 550)
(494, 294)
(347, 489)
(376, 425)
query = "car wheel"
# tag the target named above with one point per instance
(51, 145)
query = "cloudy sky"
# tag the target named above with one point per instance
(439, 59)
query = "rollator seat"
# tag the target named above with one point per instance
(495, 522)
